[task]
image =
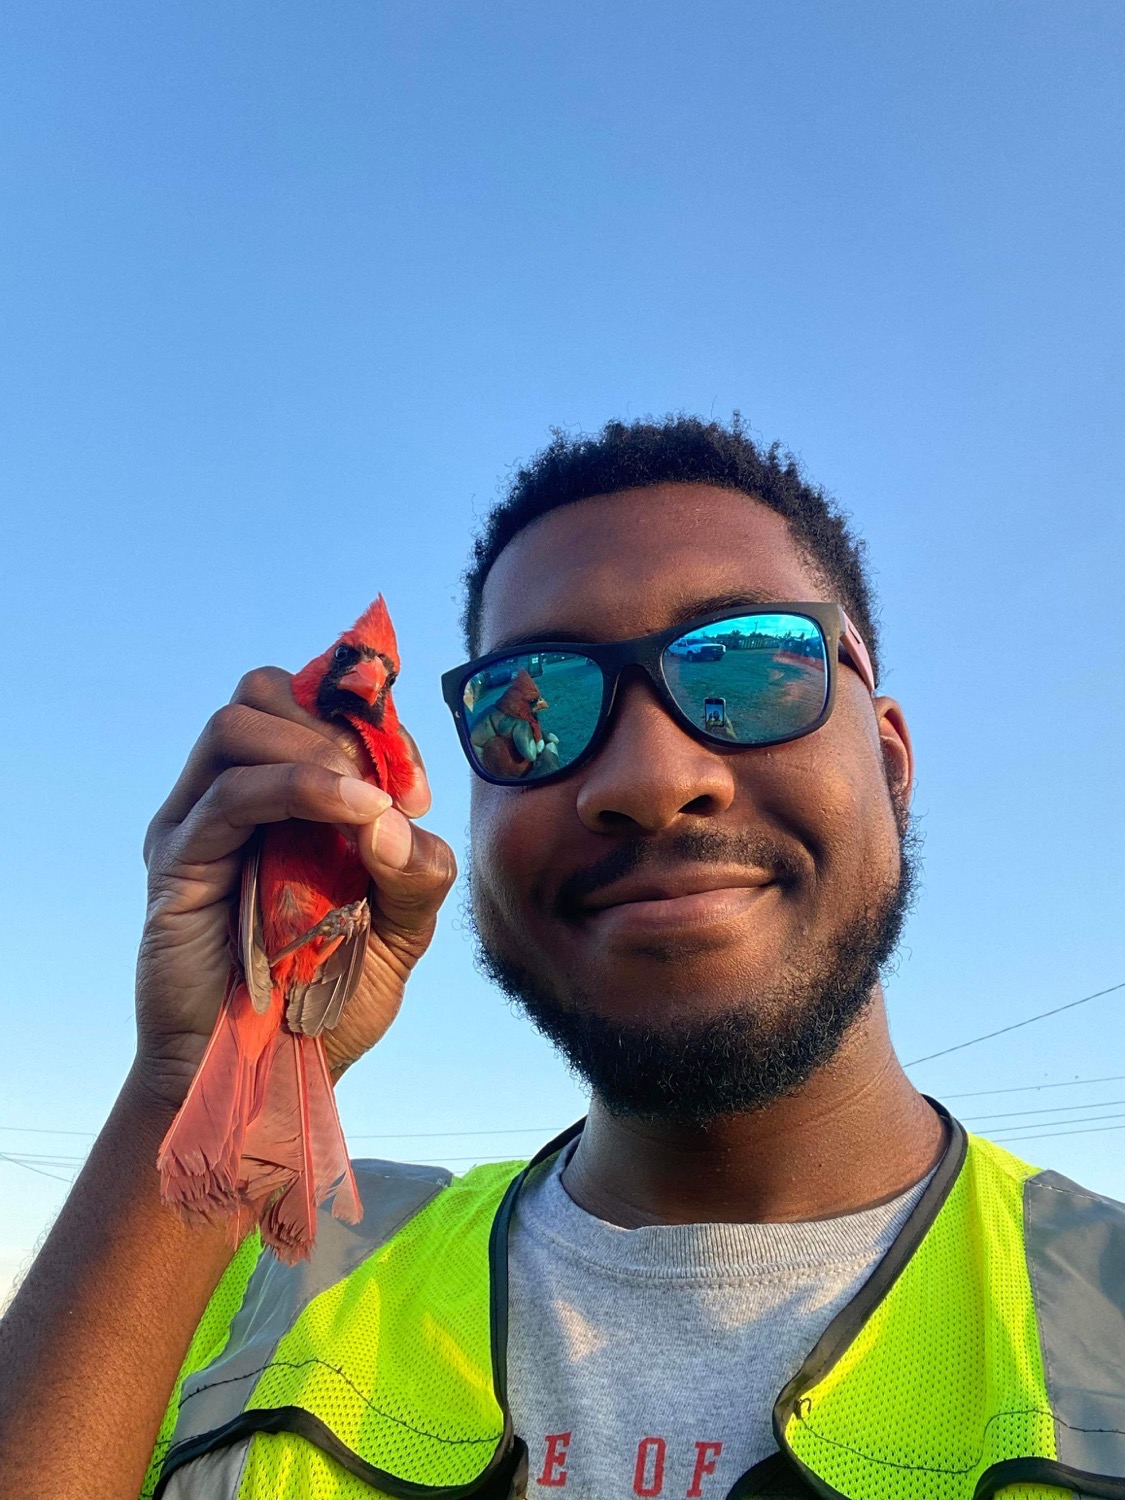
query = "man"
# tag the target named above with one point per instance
(765, 1265)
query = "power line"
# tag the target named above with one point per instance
(1011, 1140)
(1050, 1124)
(1060, 1109)
(29, 1162)
(58, 1161)
(29, 1168)
(1024, 1088)
(1034, 1124)
(1015, 1026)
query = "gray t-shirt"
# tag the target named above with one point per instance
(647, 1361)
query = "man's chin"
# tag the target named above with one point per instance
(697, 1034)
(660, 982)
(693, 1062)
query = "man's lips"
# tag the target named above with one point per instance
(676, 900)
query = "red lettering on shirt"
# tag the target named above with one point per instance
(706, 1455)
(657, 1447)
(554, 1461)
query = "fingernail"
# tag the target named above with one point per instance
(392, 841)
(363, 798)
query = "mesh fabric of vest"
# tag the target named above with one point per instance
(960, 1322)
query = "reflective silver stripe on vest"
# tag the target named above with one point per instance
(276, 1295)
(1076, 1259)
(215, 1476)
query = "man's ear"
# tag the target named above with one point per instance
(898, 754)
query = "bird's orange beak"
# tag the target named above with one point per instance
(365, 680)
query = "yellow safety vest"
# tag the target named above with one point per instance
(986, 1353)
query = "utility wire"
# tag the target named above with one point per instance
(29, 1168)
(29, 1160)
(1015, 1026)
(58, 1161)
(1035, 1124)
(1025, 1088)
(1060, 1109)
(1010, 1140)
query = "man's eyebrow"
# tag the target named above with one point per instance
(690, 609)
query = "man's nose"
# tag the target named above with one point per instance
(650, 771)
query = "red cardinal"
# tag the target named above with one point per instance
(510, 737)
(259, 1120)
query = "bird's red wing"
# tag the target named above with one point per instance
(251, 943)
(318, 1005)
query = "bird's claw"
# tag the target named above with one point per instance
(341, 922)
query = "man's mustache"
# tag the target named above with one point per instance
(705, 847)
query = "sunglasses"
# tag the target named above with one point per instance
(532, 713)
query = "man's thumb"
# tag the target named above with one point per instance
(413, 871)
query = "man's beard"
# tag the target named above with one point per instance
(737, 1060)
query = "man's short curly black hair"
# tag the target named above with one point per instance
(677, 450)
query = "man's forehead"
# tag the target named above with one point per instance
(621, 565)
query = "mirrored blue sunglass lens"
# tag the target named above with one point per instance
(750, 680)
(532, 713)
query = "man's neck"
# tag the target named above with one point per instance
(856, 1135)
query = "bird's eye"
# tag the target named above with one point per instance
(342, 653)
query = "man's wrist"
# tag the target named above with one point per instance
(154, 1091)
(160, 1081)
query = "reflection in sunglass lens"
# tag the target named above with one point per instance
(532, 713)
(750, 680)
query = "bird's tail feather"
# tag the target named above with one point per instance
(259, 1126)
(332, 1167)
(294, 1152)
(199, 1156)
(279, 1140)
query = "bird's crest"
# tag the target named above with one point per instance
(374, 630)
(521, 699)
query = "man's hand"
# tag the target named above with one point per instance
(259, 760)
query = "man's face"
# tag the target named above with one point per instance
(689, 922)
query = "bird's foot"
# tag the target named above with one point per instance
(341, 923)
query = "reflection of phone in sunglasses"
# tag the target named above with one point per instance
(714, 713)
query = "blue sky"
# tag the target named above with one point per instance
(286, 289)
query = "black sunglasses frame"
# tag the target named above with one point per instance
(841, 640)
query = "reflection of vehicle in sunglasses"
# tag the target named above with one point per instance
(697, 650)
(507, 734)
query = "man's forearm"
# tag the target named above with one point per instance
(91, 1346)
